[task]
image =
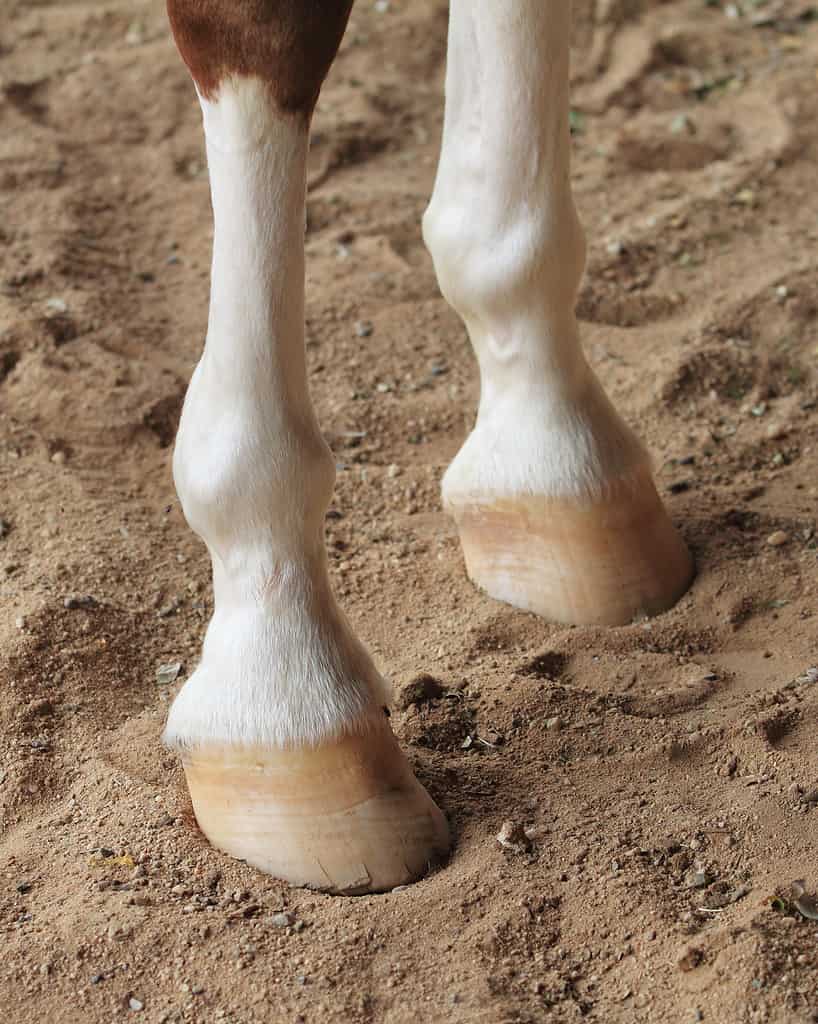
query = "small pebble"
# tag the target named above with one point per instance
(512, 837)
(682, 124)
(363, 328)
(555, 723)
(135, 1004)
(283, 919)
(696, 878)
(168, 672)
(778, 538)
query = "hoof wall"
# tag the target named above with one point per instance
(606, 561)
(344, 817)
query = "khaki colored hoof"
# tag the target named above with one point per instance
(603, 562)
(344, 817)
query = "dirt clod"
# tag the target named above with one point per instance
(420, 690)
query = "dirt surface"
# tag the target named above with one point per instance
(666, 772)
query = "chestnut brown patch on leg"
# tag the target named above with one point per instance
(289, 44)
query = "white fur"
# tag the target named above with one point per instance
(509, 254)
(280, 664)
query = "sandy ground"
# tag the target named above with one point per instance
(667, 770)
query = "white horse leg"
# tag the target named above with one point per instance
(289, 757)
(552, 493)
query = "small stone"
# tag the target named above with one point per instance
(392, 472)
(810, 798)
(42, 707)
(170, 608)
(4, 527)
(135, 36)
(168, 672)
(682, 125)
(808, 677)
(23, 887)
(135, 1004)
(512, 837)
(778, 538)
(363, 328)
(74, 601)
(696, 878)
(58, 458)
(20, 622)
(555, 723)
(283, 919)
(795, 792)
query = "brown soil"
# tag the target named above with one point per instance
(658, 765)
